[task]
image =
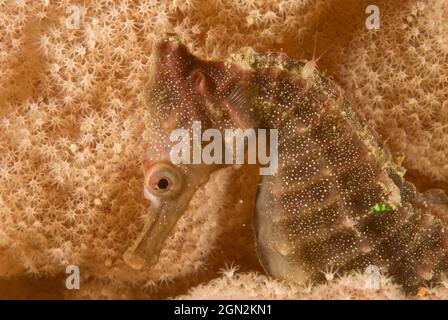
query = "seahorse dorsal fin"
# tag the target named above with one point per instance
(239, 102)
(242, 94)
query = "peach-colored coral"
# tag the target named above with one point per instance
(398, 79)
(73, 117)
(234, 285)
(353, 286)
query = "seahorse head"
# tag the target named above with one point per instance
(183, 91)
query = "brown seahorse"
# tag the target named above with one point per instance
(338, 198)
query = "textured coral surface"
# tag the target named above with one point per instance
(398, 79)
(73, 121)
(255, 286)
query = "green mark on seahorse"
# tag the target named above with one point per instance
(380, 208)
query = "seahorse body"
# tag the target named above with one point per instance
(338, 198)
(319, 211)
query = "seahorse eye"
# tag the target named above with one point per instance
(163, 180)
(163, 184)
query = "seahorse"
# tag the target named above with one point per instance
(338, 199)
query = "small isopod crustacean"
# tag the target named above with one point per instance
(338, 198)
